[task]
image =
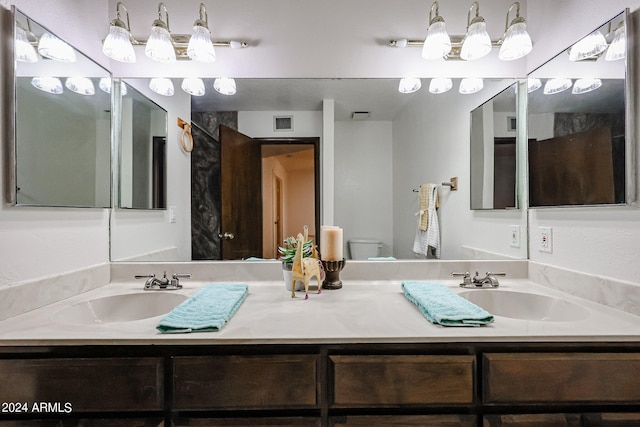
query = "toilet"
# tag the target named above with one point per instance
(364, 248)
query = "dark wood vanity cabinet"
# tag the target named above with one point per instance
(357, 385)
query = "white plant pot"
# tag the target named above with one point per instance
(299, 286)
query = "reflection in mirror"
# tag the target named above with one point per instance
(62, 123)
(576, 122)
(142, 148)
(377, 160)
(493, 151)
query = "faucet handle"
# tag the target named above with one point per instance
(495, 274)
(466, 277)
(145, 276)
(175, 281)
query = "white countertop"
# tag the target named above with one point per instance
(360, 312)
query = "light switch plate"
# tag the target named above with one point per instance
(545, 239)
(172, 213)
(514, 232)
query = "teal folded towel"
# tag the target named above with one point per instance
(208, 310)
(443, 306)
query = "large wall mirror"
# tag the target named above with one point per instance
(382, 155)
(62, 129)
(494, 131)
(577, 130)
(141, 145)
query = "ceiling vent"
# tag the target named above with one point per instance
(282, 123)
(360, 115)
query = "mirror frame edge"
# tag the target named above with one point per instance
(8, 103)
(632, 22)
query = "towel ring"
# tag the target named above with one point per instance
(186, 139)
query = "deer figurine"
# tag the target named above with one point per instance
(305, 268)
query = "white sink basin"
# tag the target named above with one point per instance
(526, 306)
(120, 308)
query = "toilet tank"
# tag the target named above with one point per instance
(364, 248)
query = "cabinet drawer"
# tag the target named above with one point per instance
(402, 380)
(245, 382)
(561, 377)
(528, 420)
(249, 422)
(404, 421)
(84, 385)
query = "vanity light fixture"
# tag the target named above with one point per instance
(48, 84)
(200, 47)
(440, 85)
(119, 42)
(52, 47)
(470, 85)
(105, 85)
(409, 85)
(25, 52)
(225, 85)
(80, 85)
(533, 84)
(618, 47)
(476, 43)
(516, 41)
(437, 45)
(162, 86)
(585, 85)
(588, 47)
(557, 85)
(193, 86)
(160, 45)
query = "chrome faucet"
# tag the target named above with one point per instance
(153, 283)
(489, 281)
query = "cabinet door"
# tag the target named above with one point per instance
(245, 382)
(561, 377)
(83, 384)
(391, 380)
(404, 421)
(532, 420)
(611, 420)
(249, 422)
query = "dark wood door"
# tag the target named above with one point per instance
(241, 182)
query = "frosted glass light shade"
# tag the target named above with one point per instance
(162, 86)
(200, 47)
(25, 52)
(477, 42)
(585, 85)
(193, 86)
(118, 45)
(48, 84)
(618, 47)
(470, 85)
(516, 44)
(159, 46)
(53, 48)
(225, 85)
(588, 47)
(409, 85)
(533, 84)
(554, 86)
(437, 45)
(80, 85)
(440, 85)
(105, 85)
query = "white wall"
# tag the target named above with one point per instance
(363, 182)
(431, 145)
(601, 241)
(39, 242)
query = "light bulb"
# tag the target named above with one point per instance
(477, 42)
(517, 42)
(80, 85)
(440, 85)
(470, 85)
(159, 46)
(118, 45)
(437, 45)
(585, 85)
(225, 85)
(200, 47)
(409, 85)
(193, 86)
(48, 84)
(588, 47)
(53, 48)
(161, 86)
(557, 85)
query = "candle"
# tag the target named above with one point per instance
(331, 243)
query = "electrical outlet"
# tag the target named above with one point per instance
(515, 235)
(545, 239)
(172, 213)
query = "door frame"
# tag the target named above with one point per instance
(315, 141)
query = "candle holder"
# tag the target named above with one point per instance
(332, 271)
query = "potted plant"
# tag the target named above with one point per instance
(287, 252)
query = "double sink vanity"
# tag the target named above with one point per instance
(361, 355)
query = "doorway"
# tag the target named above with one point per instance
(290, 188)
